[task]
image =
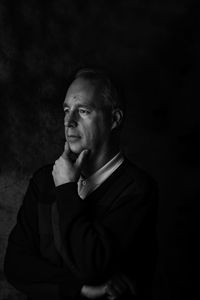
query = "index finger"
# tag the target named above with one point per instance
(66, 150)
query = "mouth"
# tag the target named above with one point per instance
(73, 138)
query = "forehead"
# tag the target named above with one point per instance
(82, 92)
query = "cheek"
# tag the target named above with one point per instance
(95, 131)
(89, 132)
(98, 134)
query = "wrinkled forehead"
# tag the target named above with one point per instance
(83, 92)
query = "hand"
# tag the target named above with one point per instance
(93, 292)
(119, 284)
(65, 170)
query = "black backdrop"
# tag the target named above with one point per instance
(153, 48)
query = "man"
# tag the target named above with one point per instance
(86, 226)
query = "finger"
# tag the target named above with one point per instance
(81, 158)
(128, 283)
(119, 283)
(117, 290)
(112, 291)
(66, 150)
(111, 297)
(131, 285)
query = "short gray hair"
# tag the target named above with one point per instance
(111, 93)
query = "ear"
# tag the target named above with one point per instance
(117, 116)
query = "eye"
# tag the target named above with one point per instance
(66, 110)
(84, 111)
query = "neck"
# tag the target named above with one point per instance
(95, 162)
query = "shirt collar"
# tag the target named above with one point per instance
(86, 186)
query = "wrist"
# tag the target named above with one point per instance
(64, 181)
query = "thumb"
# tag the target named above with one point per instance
(81, 158)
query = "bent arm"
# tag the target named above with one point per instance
(96, 247)
(25, 268)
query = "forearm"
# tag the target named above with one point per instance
(86, 243)
(24, 265)
(95, 247)
(38, 291)
(36, 276)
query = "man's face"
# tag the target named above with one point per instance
(87, 122)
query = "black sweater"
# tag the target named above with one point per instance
(61, 242)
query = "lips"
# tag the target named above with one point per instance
(73, 135)
(72, 138)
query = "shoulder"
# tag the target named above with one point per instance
(141, 180)
(132, 187)
(43, 173)
(42, 183)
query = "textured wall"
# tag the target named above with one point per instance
(153, 48)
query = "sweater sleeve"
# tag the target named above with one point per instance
(24, 266)
(92, 246)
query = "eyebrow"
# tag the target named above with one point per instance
(79, 105)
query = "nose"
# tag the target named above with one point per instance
(70, 119)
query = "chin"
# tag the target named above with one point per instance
(77, 149)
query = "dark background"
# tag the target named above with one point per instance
(153, 49)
